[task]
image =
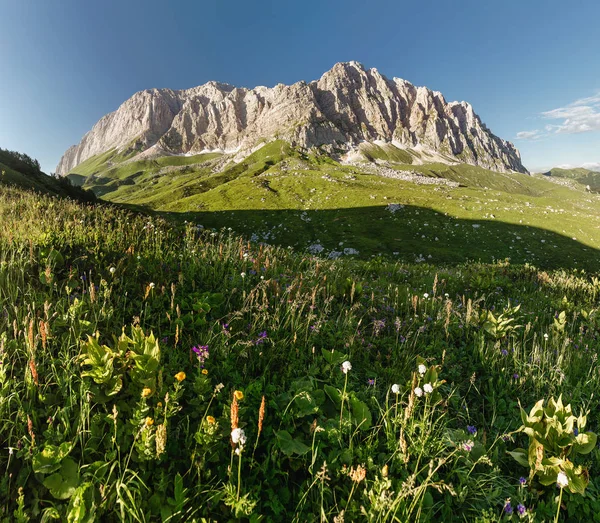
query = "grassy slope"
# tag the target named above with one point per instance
(583, 176)
(281, 196)
(27, 178)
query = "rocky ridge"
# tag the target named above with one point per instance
(347, 106)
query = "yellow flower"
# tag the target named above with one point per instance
(146, 392)
(159, 404)
(210, 419)
(239, 395)
(180, 376)
(205, 371)
(149, 422)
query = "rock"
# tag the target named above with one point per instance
(347, 106)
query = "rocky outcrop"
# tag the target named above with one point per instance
(347, 106)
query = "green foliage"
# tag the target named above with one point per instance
(555, 434)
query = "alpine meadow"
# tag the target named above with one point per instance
(342, 299)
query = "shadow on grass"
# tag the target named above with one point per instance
(408, 234)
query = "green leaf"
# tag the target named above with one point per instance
(62, 484)
(49, 459)
(585, 442)
(334, 357)
(289, 445)
(520, 455)
(82, 506)
(334, 394)
(361, 415)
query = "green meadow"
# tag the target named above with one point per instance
(292, 339)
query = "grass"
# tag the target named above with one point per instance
(132, 347)
(284, 197)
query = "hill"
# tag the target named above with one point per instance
(20, 170)
(589, 179)
(406, 211)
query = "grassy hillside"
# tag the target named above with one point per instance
(583, 176)
(20, 170)
(281, 196)
(154, 371)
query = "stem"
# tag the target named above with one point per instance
(343, 397)
(239, 474)
(558, 508)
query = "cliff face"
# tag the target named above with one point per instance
(346, 106)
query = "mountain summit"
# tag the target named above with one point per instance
(347, 106)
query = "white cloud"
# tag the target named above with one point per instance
(529, 135)
(592, 166)
(581, 116)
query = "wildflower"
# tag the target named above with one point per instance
(243, 274)
(467, 446)
(151, 285)
(515, 376)
(149, 422)
(159, 404)
(426, 295)
(428, 388)
(205, 371)
(371, 382)
(521, 509)
(146, 392)
(346, 367)
(418, 392)
(211, 420)
(180, 376)
(575, 431)
(522, 481)
(201, 353)
(504, 352)
(219, 388)
(238, 436)
(562, 480)
(239, 395)
(471, 429)
(395, 388)
(422, 369)
(508, 507)
(384, 471)
(112, 270)
(546, 336)
(358, 474)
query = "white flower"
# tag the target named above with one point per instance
(468, 445)
(428, 388)
(243, 274)
(112, 270)
(238, 436)
(426, 295)
(395, 388)
(446, 295)
(422, 369)
(546, 336)
(419, 392)
(562, 480)
(152, 285)
(218, 388)
(346, 367)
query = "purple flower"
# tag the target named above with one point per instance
(576, 431)
(471, 429)
(515, 376)
(522, 481)
(521, 509)
(504, 352)
(201, 353)
(371, 382)
(508, 508)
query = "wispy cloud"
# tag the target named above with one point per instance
(581, 116)
(592, 166)
(529, 135)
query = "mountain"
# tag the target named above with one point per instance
(20, 170)
(348, 109)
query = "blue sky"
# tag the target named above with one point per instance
(526, 66)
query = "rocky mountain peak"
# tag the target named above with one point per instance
(347, 106)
